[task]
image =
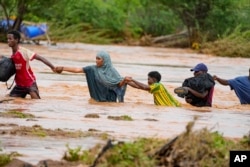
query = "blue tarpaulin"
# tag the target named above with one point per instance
(30, 31)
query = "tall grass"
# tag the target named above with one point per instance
(235, 44)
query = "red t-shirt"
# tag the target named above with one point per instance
(24, 75)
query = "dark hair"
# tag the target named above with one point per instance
(16, 34)
(156, 75)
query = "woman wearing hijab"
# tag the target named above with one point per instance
(104, 82)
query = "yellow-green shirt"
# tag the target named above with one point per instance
(162, 96)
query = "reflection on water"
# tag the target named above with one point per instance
(65, 99)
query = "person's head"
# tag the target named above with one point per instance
(154, 76)
(13, 38)
(199, 69)
(103, 59)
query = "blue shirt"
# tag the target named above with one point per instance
(241, 86)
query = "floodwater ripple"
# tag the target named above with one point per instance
(65, 99)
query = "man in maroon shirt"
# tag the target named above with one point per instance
(25, 79)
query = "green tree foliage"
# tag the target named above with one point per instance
(154, 19)
(205, 19)
(99, 14)
(123, 18)
(19, 10)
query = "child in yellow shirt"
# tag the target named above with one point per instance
(161, 95)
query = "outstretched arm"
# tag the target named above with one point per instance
(220, 80)
(124, 81)
(60, 69)
(136, 84)
(128, 80)
(45, 61)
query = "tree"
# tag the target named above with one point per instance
(199, 16)
(7, 9)
(23, 8)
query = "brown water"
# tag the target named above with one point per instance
(65, 98)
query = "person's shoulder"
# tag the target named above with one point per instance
(153, 85)
(22, 48)
(161, 84)
(242, 78)
(158, 84)
(239, 77)
(91, 67)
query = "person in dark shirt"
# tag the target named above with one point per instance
(197, 90)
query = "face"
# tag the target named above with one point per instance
(11, 40)
(197, 73)
(151, 81)
(99, 61)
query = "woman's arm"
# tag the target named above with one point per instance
(60, 69)
(73, 69)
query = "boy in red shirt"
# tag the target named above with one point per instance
(25, 79)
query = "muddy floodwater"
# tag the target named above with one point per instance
(65, 99)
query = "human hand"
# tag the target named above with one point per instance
(128, 79)
(53, 69)
(215, 77)
(59, 69)
(188, 100)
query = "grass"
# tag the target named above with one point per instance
(16, 114)
(123, 117)
(191, 148)
(235, 44)
(227, 48)
(4, 159)
(82, 33)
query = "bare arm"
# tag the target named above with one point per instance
(45, 61)
(124, 81)
(220, 80)
(60, 69)
(139, 85)
(128, 80)
(73, 69)
(197, 94)
(135, 84)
